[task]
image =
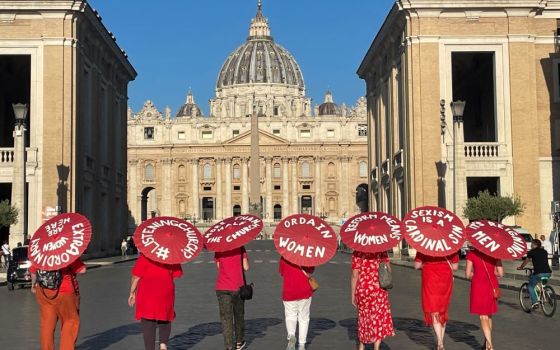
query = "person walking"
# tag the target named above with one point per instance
(541, 269)
(483, 270)
(547, 245)
(124, 248)
(58, 296)
(6, 253)
(437, 287)
(231, 265)
(152, 290)
(375, 322)
(296, 296)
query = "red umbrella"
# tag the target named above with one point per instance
(496, 240)
(305, 240)
(168, 240)
(372, 232)
(60, 241)
(434, 231)
(232, 233)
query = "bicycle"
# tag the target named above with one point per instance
(546, 297)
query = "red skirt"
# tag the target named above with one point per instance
(437, 286)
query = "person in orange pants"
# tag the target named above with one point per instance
(59, 303)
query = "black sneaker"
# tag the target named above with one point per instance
(241, 345)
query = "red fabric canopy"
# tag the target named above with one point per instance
(372, 232)
(60, 241)
(168, 240)
(496, 240)
(232, 233)
(434, 231)
(305, 240)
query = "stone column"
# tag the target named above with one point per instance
(167, 198)
(347, 192)
(134, 196)
(269, 213)
(244, 186)
(17, 230)
(219, 191)
(227, 173)
(285, 188)
(318, 187)
(295, 186)
(196, 185)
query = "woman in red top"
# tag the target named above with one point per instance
(437, 287)
(483, 269)
(374, 312)
(152, 289)
(231, 265)
(62, 303)
(296, 295)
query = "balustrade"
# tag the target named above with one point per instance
(483, 150)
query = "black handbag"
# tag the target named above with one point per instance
(246, 290)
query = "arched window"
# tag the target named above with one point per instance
(363, 169)
(182, 173)
(331, 170)
(277, 212)
(207, 171)
(182, 207)
(149, 173)
(236, 210)
(236, 172)
(277, 171)
(305, 170)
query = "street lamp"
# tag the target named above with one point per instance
(458, 109)
(17, 231)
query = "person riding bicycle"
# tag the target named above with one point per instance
(541, 269)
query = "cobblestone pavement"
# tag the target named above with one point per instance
(108, 323)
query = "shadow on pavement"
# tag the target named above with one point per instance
(317, 326)
(351, 325)
(416, 331)
(106, 339)
(255, 328)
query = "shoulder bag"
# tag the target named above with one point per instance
(49, 280)
(312, 280)
(495, 290)
(246, 290)
(384, 275)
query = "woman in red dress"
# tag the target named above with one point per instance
(483, 271)
(437, 287)
(152, 289)
(374, 312)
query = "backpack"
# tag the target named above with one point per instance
(49, 279)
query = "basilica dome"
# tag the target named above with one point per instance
(260, 60)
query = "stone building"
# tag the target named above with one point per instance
(501, 58)
(313, 159)
(59, 59)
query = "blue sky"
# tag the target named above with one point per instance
(177, 44)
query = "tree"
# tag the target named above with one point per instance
(8, 214)
(494, 208)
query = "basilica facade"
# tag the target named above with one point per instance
(313, 159)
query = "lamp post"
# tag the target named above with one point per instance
(17, 231)
(458, 108)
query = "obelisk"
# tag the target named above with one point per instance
(255, 167)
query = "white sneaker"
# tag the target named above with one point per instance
(291, 343)
(301, 347)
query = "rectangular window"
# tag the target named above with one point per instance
(181, 135)
(276, 110)
(149, 133)
(207, 134)
(277, 187)
(481, 184)
(362, 130)
(306, 187)
(207, 188)
(276, 131)
(237, 188)
(330, 133)
(305, 133)
(235, 133)
(473, 81)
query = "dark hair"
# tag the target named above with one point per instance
(537, 243)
